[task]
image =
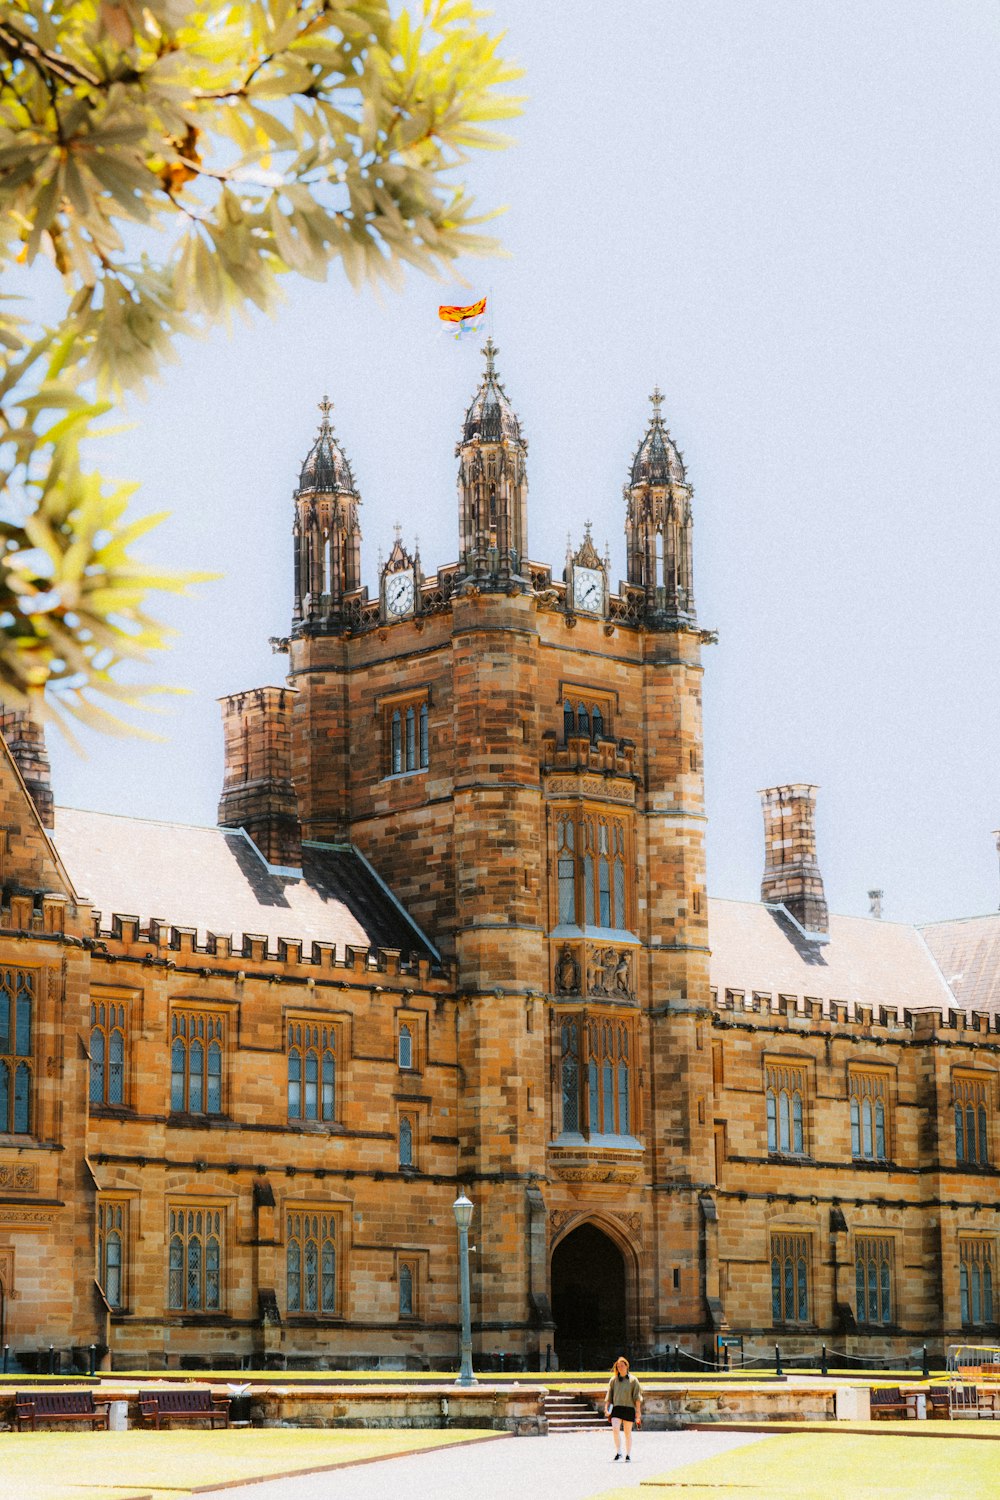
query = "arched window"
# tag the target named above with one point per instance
(879, 1130)
(175, 1276)
(569, 720)
(96, 1066)
(784, 1121)
(213, 1098)
(312, 1085)
(570, 1077)
(776, 1289)
(583, 721)
(397, 742)
(116, 1066)
(566, 870)
(178, 1058)
(411, 739)
(621, 909)
(405, 1046)
(405, 1291)
(873, 1279)
(772, 1121)
(603, 875)
(855, 1126)
(424, 737)
(596, 722)
(329, 1084)
(607, 1080)
(328, 1286)
(111, 1226)
(866, 1127)
(789, 1278)
(983, 1153)
(959, 1132)
(587, 837)
(312, 1275)
(196, 1078)
(15, 1051)
(623, 1082)
(405, 1142)
(294, 1084)
(797, 1137)
(213, 1269)
(293, 1276)
(802, 1309)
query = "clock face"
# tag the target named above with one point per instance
(588, 589)
(399, 593)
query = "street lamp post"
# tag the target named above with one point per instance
(463, 1218)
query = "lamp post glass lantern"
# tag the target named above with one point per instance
(462, 1209)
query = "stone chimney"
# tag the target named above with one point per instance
(875, 903)
(26, 742)
(791, 873)
(257, 791)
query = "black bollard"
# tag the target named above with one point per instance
(93, 1360)
(927, 1368)
(52, 1359)
(823, 1367)
(777, 1361)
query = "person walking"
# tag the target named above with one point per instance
(623, 1404)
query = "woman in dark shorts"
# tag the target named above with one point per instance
(623, 1404)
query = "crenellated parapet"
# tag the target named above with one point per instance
(880, 1023)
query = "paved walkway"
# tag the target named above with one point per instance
(571, 1466)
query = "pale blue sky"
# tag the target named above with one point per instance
(784, 214)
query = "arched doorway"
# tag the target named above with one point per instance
(588, 1299)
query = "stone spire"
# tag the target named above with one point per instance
(492, 484)
(327, 533)
(658, 526)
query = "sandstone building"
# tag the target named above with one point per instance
(453, 932)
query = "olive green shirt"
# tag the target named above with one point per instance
(624, 1391)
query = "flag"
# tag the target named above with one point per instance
(460, 314)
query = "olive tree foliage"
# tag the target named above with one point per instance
(173, 159)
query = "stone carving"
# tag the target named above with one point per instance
(558, 1217)
(632, 1223)
(16, 1177)
(567, 972)
(609, 972)
(590, 786)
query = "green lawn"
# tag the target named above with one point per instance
(169, 1465)
(820, 1466)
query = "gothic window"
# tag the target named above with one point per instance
(16, 1061)
(785, 1087)
(195, 1247)
(975, 1270)
(970, 1098)
(790, 1278)
(196, 1048)
(869, 1116)
(591, 856)
(107, 1051)
(596, 1075)
(311, 1262)
(112, 1249)
(405, 1045)
(585, 715)
(407, 736)
(596, 722)
(312, 1070)
(873, 1280)
(569, 720)
(583, 721)
(407, 1131)
(407, 1288)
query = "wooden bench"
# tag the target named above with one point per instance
(181, 1404)
(58, 1406)
(888, 1401)
(938, 1401)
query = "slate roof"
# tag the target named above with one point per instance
(867, 961)
(215, 880)
(968, 952)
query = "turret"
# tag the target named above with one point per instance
(327, 533)
(492, 485)
(658, 526)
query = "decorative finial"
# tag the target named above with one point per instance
(491, 351)
(397, 528)
(657, 399)
(325, 407)
(586, 530)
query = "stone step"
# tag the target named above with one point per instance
(569, 1413)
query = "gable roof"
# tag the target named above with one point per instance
(968, 952)
(867, 961)
(216, 880)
